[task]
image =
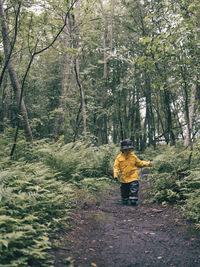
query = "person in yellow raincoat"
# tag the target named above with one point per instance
(126, 164)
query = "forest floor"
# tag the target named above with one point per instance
(107, 234)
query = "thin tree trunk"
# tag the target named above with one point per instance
(186, 100)
(12, 73)
(76, 67)
(149, 112)
(120, 118)
(11, 45)
(169, 117)
(138, 123)
(168, 134)
(60, 118)
(160, 122)
(188, 136)
(4, 104)
(133, 115)
(179, 125)
(105, 75)
(112, 26)
(144, 138)
(77, 72)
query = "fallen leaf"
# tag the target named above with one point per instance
(93, 264)
(147, 251)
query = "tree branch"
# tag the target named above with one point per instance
(60, 31)
(26, 74)
(12, 45)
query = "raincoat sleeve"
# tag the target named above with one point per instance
(116, 168)
(142, 163)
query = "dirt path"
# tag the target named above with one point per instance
(107, 234)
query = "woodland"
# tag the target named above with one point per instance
(76, 77)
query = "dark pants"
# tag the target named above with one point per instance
(129, 190)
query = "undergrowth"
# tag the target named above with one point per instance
(176, 179)
(38, 191)
(40, 187)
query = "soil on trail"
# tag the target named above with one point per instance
(107, 234)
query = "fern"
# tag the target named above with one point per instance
(31, 198)
(173, 180)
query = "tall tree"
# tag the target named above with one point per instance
(12, 72)
(76, 36)
(65, 67)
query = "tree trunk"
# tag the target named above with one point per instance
(105, 75)
(133, 114)
(138, 124)
(120, 118)
(82, 96)
(12, 73)
(60, 118)
(188, 137)
(149, 112)
(112, 26)
(170, 134)
(76, 68)
(4, 104)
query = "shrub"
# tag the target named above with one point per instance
(173, 179)
(36, 196)
(78, 160)
(33, 204)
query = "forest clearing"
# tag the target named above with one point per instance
(78, 78)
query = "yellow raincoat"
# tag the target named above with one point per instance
(128, 165)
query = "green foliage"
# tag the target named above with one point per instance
(74, 161)
(189, 191)
(91, 185)
(192, 206)
(163, 189)
(37, 193)
(173, 179)
(33, 202)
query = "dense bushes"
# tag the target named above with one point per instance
(37, 194)
(33, 203)
(78, 160)
(175, 178)
(39, 189)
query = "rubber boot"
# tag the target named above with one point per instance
(124, 201)
(133, 202)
